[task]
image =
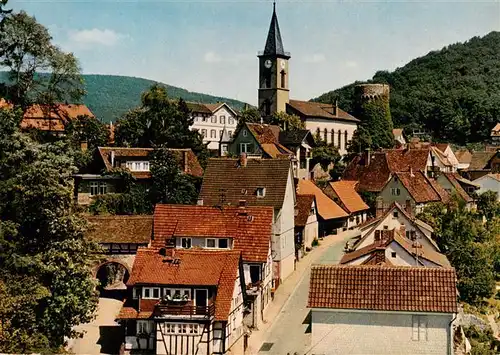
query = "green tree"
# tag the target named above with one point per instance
(248, 114)
(160, 122)
(488, 205)
(45, 261)
(325, 153)
(361, 140)
(286, 121)
(376, 124)
(39, 72)
(169, 184)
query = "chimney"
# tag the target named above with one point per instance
(199, 202)
(243, 160)
(367, 156)
(336, 108)
(185, 160)
(112, 158)
(408, 207)
(84, 146)
(379, 207)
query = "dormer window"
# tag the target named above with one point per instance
(261, 192)
(220, 243)
(210, 243)
(137, 165)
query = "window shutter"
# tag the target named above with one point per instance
(415, 328)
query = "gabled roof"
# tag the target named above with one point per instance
(295, 137)
(274, 44)
(373, 176)
(480, 160)
(188, 161)
(463, 156)
(194, 268)
(208, 109)
(397, 132)
(400, 160)
(390, 236)
(383, 288)
(267, 137)
(249, 227)
(327, 208)
(459, 189)
(495, 131)
(303, 207)
(443, 194)
(418, 186)
(310, 109)
(50, 118)
(346, 192)
(495, 176)
(120, 229)
(227, 180)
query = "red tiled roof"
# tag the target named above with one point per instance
(443, 194)
(480, 160)
(226, 179)
(120, 229)
(372, 177)
(463, 156)
(418, 186)
(250, 227)
(452, 178)
(303, 207)
(496, 130)
(191, 166)
(383, 288)
(389, 236)
(320, 110)
(267, 136)
(194, 268)
(327, 208)
(346, 192)
(400, 160)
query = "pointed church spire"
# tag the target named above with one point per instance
(274, 44)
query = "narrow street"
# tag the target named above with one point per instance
(288, 332)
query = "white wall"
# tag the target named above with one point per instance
(488, 183)
(337, 332)
(208, 125)
(313, 124)
(311, 230)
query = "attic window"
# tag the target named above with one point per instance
(261, 192)
(393, 254)
(244, 132)
(395, 214)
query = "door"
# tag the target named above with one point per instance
(201, 300)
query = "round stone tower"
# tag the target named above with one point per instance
(369, 92)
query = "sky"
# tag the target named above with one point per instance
(211, 46)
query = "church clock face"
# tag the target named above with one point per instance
(268, 63)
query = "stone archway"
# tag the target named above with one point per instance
(112, 275)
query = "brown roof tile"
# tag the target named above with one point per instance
(320, 110)
(303, 208)
(418, 186)
(495, 131)
(346, 192)
(463, 156)
(267, 136)
(405, 159)
(383, 288)
(372, 177)
(226, 179)
(453, 179)
(249, 227)
(480, 160)
(195, 268)
(120, 229)
(327, 208)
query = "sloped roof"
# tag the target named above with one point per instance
(463, 156)
(120, 229)
(480, 160)
(400, 160)
(495, 176)
(208, 109)
(274, 43)
(389, 236)
(303, 207)
(443, 194)
(192, 166)
(267, 136)
(327, 208)
(383, 288)
(320, 110)
(294, 137)
(226, 179)
(195, 268)
(249, 227)
(496, 130)
(418, 186)
(373, 176)
(346, 191)
(397, 132)
(461, 192)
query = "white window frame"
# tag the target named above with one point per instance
(214, 119)
(151, 292)
(244, 145)
(204, 133)
(395, 191)
(135, 293)
(261, 192)
(193, 328)
(144, 326)
(170, 328)
(218, 243)
(419, 328)
(94, 188)
(222, 119)
(182, 328)
(230, 133)
(186, 239)
(210, 239)
(213, 133)
(230, 120)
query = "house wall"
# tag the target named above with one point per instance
(312, 124)
(451, 157)
(311, 230)
(338, 332)
(488, 183)
(395, 223)
(388, 198)
(403, 258)
(83, 190)
(254, 148)
(217, 126)
(283, 230)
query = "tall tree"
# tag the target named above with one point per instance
(286, 121)
(170, 185)
(160, 122)
(39, 72)
(45, 261)
(248, 114)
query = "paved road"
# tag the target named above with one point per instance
(289, 332)
(103, 335)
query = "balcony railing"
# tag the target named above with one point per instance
(186, 310)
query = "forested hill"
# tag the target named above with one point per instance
(110, 96)
(453, 93)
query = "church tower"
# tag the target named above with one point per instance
(273, 72)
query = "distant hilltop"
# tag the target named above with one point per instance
(110, 96)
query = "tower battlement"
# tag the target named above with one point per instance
(368, 92)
